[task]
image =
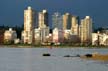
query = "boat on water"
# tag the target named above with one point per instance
(46, 54)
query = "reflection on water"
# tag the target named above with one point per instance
(31, 59)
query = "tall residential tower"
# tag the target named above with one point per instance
(43, 19)
(29, 25)
(86, 30)
(67, 21)
(74, 26)
(57, 21)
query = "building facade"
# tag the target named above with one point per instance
(29, 25)
(40, 35)
(100, 39)
(43, 19)
(58, 36)
(9, 36)
(67, 21)
(44, 34)
(86, 30)
(57, 21)
(37, 35)
(74, 26)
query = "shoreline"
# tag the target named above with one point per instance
(53, 46)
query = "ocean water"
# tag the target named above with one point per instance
(31, 59)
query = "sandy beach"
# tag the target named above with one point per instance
(100, 57)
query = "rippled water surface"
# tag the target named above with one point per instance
(31, 59)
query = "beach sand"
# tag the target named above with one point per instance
(101, 57)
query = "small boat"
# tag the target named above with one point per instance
(67, 56)
(72, 56)
(46, 54)
(89, 55)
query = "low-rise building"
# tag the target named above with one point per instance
(67, 33)
(37, 35)
(10, 35)
(40, 35)
(44, 34)
(58, 36)
(69, 37)
(99, 39)
(95, 39)
(16, 41)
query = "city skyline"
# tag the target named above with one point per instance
(62, 25)
(66, 30)
(12, 11)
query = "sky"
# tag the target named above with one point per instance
(12, 11)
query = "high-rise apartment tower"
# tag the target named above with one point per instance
(29, 25)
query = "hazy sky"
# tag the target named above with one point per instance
(11, 11)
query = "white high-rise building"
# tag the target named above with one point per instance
(57, 21)
(67, 21)
(86, 30)
(43, 19)
(74, 27)
(29, 25)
